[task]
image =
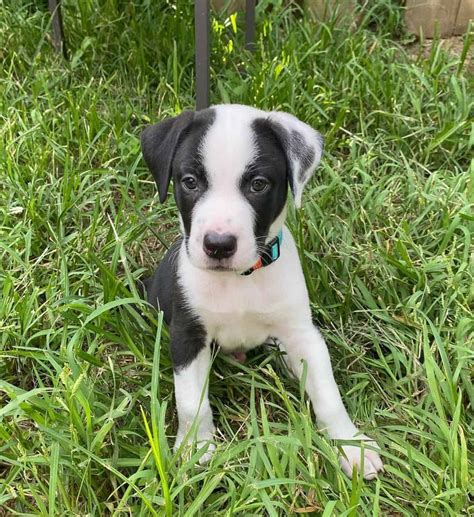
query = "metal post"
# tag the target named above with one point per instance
(250, 25)
(57, 23)
(202, 36)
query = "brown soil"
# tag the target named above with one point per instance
(453, 45)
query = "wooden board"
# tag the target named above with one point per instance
(438, 17)
(465, 13)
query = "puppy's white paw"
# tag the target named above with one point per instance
(204, 441)
(352, 456)
(206, 457)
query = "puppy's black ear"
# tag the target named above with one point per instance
(159, 143)
(303, 148)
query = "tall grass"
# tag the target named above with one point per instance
(86, 407)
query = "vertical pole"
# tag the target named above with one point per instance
(250, 25)
(57, 23)
(202, 36)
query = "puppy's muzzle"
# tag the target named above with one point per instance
(219, 245)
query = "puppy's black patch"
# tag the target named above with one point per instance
(271, 164)
(188, 335)
(159, 143)
(295, 149)
(188, 163)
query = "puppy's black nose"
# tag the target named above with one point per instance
(219, 245)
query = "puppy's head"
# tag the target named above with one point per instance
(231, 166)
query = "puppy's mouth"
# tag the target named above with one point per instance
(223, 265)
(220, 265)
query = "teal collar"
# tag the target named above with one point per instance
(270, 253)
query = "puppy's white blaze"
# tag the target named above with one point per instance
(229, 144)
(227, 148)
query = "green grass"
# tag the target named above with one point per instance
(86, 396)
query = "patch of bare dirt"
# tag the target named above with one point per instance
(453, 45)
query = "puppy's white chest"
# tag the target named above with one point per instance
(237, 315)
(236, 331)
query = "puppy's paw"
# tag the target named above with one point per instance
(204, 441)
(353, 457)
(206, 457)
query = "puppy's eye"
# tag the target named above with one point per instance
(259, 185)
(189, 182)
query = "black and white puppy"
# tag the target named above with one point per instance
(235, 277)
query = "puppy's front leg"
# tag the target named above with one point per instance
(194, 410)
(304, 342)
